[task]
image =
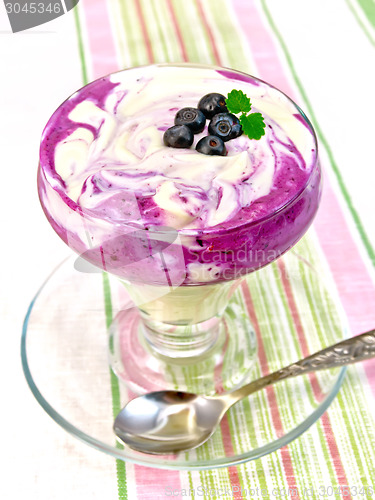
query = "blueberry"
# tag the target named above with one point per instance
(192, 118)
(226, 126)
(178, 136)
(211, 145)
(211, 104)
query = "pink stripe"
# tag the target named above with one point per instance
(357, 291)
(156, 483)
(261, 46)
(234, 477)
(178, 31)
(100, 38)
(271, 396)
(146, 37)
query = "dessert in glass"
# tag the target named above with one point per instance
(179, 227)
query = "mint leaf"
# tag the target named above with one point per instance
(238, 102)
(253, 125)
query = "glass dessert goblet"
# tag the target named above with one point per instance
(175, 230)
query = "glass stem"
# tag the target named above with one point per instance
(180, 341)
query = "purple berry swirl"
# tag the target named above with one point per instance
(116, 194)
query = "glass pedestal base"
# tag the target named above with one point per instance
(221, 366)
(292, 306)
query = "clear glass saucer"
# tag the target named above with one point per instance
(292, 305)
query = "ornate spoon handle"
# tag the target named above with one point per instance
(346, 352)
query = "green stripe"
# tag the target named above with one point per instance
(360, 22)
(368, 7)
(161, 45)
(80, 46)
(356, 437)
(365, 240)
(115, 388)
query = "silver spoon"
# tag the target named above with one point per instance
(171, 421)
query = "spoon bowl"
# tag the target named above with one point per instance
(172, 421)
(168, 421)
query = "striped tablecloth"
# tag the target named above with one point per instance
(322, 55)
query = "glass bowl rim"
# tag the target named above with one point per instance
(211, 231)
